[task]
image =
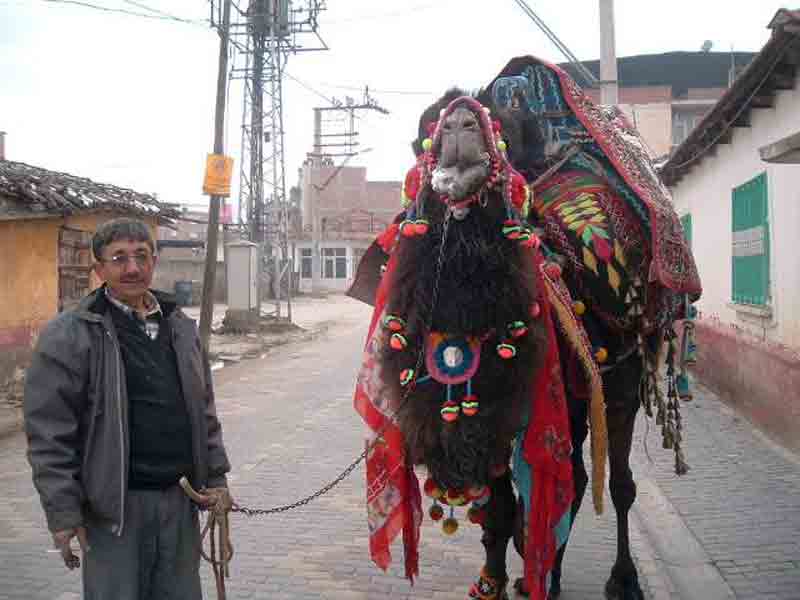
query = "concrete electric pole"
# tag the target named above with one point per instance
(609, 87)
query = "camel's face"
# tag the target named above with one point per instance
(464, 163)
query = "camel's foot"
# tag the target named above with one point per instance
(624, 588)
(522, 589)
(488, 588)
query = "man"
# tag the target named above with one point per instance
(118, 406)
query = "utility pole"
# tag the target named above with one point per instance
(207, 308)
(343, 145)
(609, 86)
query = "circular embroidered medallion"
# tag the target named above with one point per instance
(452, 360)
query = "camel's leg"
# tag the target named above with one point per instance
(497, 530)
(622, 401)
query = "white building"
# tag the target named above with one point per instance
(736, 183)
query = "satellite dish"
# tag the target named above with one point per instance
(707, 45)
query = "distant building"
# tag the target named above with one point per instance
(735, 181)
(47, 220)
(666, 95)
(349, 211)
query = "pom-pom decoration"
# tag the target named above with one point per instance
(436, 512)
(408, 229)
(506, 351)
(406, 376)
(470, 405)
(432, 489)
(455, 498)
(393, 323)
(450, 526)
(398, 342)
(512, 229)
(476, 515)
(427, 144)
(450, 411)
(579, 307)
(421, 226)
(601, 355)
(517, 329)
(501, 145)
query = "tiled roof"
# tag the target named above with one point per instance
(26, 190)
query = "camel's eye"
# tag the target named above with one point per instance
(447, 126)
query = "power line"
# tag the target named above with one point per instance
(586, 73)
(123, 11)
(379, 91)
(159, 12)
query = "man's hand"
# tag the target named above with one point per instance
(211, 497)
(62, 540)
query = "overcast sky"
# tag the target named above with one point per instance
(130, 101)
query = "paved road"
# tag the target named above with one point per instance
(289, 427)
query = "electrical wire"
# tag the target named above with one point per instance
(167, 16)
(129, 13)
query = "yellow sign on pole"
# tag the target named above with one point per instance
(219, 171)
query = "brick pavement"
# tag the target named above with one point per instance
(290, 427)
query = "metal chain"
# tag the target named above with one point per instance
(253, 512)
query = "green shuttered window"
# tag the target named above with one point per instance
(686, 222)
(751, 243)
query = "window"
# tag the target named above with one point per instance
(750, 262)
(306, 262)
(686, 223)
(358, 254)
(334, 263)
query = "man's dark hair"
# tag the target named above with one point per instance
(121, 229)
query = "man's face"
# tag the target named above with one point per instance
(127, 267)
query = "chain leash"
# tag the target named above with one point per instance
(260, 512)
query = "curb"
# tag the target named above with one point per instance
(679, 555)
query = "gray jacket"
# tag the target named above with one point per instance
(76, 414)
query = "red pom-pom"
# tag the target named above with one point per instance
(421, 227)
(431, 488)
(436, 512)
(476, 515)
(398, 342)
(497, 470)
(407, 229)
(536, 310)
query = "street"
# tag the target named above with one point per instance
(730, 528)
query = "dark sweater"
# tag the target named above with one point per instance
(160, 430)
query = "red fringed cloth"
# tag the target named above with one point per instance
(394, 502)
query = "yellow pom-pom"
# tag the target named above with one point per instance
(427, 144)
(601, 355)
(501, 145)
(450, 526)
(579, 307)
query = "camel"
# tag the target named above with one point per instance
(519, 302)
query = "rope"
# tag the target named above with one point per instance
(220, 547)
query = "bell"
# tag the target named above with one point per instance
(449, 411)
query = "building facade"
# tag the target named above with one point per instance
(736, 183)
(341, 213)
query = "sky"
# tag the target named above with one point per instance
(130, 101)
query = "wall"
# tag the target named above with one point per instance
(761, 380)
(654, 124)
(29, 290)
(705, 192)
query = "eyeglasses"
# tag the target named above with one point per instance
(142, 259)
